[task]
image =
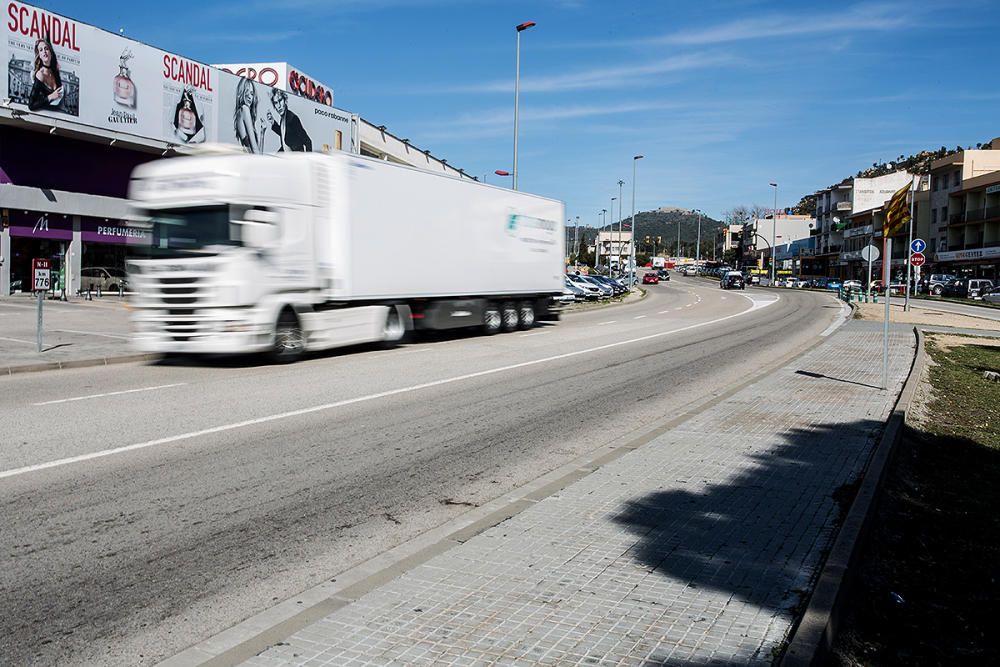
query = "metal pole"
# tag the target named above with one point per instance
(611, 231)
(576, 243)
(886, 273)
(678, 238)
(631, 277)
(697, 251)
(517, 84)
(774, 226)
(38, 333)
(871, 259)
(621, 200)
(908, 250)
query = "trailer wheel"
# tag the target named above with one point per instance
(289, 341)
(525, 315)
(510, 317)
(492, 319)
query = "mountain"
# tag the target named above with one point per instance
(662, 223)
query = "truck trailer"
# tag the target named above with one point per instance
(298, 252)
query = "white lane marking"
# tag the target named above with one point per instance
(723, 298)
(17, 340)
(537, 333)
(609, 322)
(370, 397)
(638, 317)
(689, 305)
(679, 308)
(92, 333)
(663, 312)
(110, 393)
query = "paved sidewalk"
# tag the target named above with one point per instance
(74, 333)
(696, 547)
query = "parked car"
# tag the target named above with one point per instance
(833, 284)
(992, 295)
(606, 291)
(591, 290)
(853, 285)
(733, 280)
(935, 282)
(616, 287)
(970, 288)
(650, 279)
(691, 271)
(578, 292)
(567, 297)
(107, 279)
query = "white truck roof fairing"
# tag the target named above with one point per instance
(215, 178)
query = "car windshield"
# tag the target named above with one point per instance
(186, 230)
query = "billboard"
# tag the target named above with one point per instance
(67, 70)
(282, 75)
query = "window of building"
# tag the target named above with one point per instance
(944, 215)
(936, 183)
(933, 216)
(957, 179)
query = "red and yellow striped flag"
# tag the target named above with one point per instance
(897, 212)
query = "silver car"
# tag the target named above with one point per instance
(108, 279)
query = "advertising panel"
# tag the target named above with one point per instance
(282, 75)
(871, 193)
(64, 69)
(269, 120)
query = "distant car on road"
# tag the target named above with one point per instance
(663, 274)
(833, 284)
(650, 279)
(853, 285)
(732, 280)
(691, 271)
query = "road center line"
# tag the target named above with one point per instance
(110, 393)
(639, 317)
(371, 397)
(609, 322)
(17, 340)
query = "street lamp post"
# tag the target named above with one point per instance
(611, 231)
(620, 216)
(517, 82)
(697, 250)
(774, 225)
(597, 242)
(631, 279)
(678, 239)
(576, 243)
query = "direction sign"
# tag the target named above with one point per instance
(917, 245)
(917, 259)
(40, 271)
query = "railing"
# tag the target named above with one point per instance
(956, 218)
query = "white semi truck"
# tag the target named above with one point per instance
(298, 252)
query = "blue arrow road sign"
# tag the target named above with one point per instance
(917, 245)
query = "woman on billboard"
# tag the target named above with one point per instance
(245, 117)
(188, 126)
(46, 88)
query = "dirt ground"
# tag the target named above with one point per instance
(917, 315)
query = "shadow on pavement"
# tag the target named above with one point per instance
(759, 537)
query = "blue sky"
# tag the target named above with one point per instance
(720, 97)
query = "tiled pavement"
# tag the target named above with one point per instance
(695, 548)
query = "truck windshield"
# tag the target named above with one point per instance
(185, 230)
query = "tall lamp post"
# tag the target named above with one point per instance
(774, 226)
(621, 201)
(576, 243)
(631, 279)
(611, 231)
(517, 82)
(697, 250)
(597, 242)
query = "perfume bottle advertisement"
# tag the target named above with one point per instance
(189, 100)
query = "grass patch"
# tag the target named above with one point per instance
(928, 585)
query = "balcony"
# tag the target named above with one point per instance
(976, 215)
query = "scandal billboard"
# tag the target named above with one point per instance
(67, 70)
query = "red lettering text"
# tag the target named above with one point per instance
(33, 23)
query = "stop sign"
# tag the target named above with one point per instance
(917, 259)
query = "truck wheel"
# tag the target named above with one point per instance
(289, 341)
(394, 329)
(525, 315)
(491, 319)
(509, 317)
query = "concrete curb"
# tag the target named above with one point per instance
(75, 363)
(813, 637)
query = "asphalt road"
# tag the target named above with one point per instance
(147, 507)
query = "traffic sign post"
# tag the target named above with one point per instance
(41, 277)
(917, 246)
(917, 259)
